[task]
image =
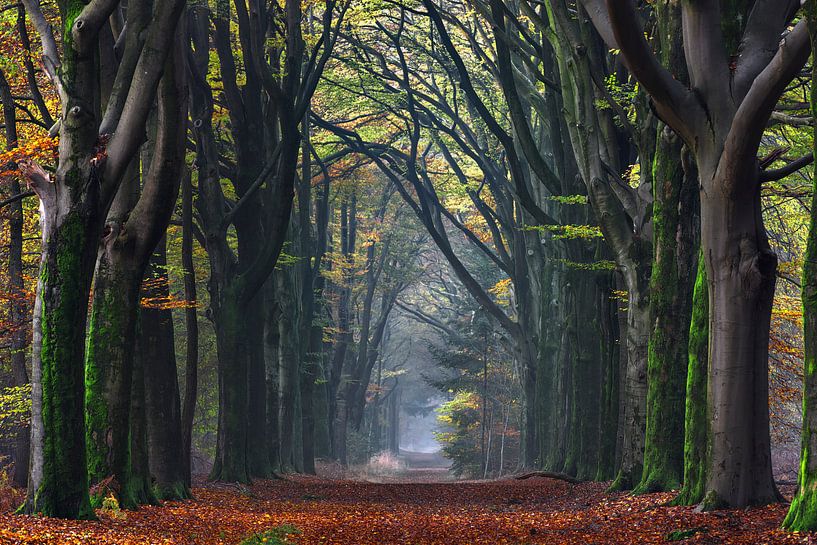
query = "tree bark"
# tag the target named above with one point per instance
(802, 515)
(74, 207)
(140, 482)
(191, 369)
(288, 371)
(108, 377)
(695, 419)
(741, 273)
(163, 406)
(674, 212)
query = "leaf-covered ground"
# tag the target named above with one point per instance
(348, 512)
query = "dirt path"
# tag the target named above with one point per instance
(362, 513)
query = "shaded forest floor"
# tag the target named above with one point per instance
(361, 513)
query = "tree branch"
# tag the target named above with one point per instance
(15, 198)
(51, 54)
(143, 89)
(674, 103)
(152, 213)
(90, 20)
(767, 21)
(754, 112)
(780, 173)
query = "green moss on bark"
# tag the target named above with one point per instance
(802, 515)
(108, 376)
(696, 424)
(63, 491)
(667, 346)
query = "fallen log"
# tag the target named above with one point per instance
(547, 475)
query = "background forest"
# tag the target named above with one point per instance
(251, 238)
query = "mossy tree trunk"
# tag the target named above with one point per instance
(137, 219)
(75, 204)
(59, 479)
(695, 420)
(671, 287)
(108, 377)
(674, 241)
(802, 515)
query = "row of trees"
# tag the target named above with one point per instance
(307, 252)
(600, 159)
(530, 108)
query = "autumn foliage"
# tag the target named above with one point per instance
(361, 513)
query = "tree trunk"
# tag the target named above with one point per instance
(109, 375)
(288, 379)
(393, 443)
(610, 379)
(58, 482)
(802, 515)
(272, 332)
(163, 407)
(696, 421)
(258, 457)
(671, 284)
(231, 464)
(191, 369)
(740, 269)
(140, 482)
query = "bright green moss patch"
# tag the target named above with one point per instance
(276, 536)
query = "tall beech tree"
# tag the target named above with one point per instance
(721, 116)
(136, 222)
(266, 109)
(675, 242)
(97, 143)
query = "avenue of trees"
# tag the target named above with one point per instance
(223, 220)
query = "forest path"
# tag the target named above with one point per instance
(364, 513)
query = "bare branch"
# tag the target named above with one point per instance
(767, 21)
(791, 168)
(15, 198)
(51, 54)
